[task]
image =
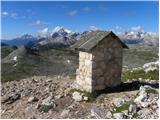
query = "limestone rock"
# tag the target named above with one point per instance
(118, 115)
(85, 98)
(77, 96)
(108, 115)
(32, 99)
(132, 108)
(118, 102)
(65, 113)
(10, 99)
(48, 101)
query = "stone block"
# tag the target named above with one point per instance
(88, 63)
(99, 87)
(100, 81)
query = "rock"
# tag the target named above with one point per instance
(118, 115)
(32, 117)
(38, 106)
(65, 113)
(146, 104)
(139, 78)
(145, 113)
(157, 102)
(142, 95)
(11, 99)
(118, 102)
(32, 99)
(48, 101)
(77, 96)
(57, 96)
(125, 112)
(4, 99)
(95, 112)
(108, 115)
(132, 108)
(151, 66)
(46, 105)
(85, 98)
(141, 98)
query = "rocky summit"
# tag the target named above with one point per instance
(54, 97)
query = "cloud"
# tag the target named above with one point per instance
(101, 7)
(94, 28)
(137, 29)
(44, 32)
(87, 9)
(72, 13)
(4, 13)
(38, 23)
(13, 15)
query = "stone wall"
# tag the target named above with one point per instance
(84, 72)
(107, 59)
(100, 68)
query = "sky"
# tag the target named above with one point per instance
(35, 18)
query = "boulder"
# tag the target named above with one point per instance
(119, 115)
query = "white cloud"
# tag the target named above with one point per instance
(87, 9)
(38, 23)
(13, 15)
(4, 13)
(137, 29)
(94, 28)
(72, 13)
(44, 32)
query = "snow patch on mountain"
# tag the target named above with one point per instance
(61, 29)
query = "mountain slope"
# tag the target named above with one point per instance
(23, 40)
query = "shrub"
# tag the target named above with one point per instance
(140, 73)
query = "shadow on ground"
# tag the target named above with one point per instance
(125, 87)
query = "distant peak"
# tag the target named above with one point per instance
(26, 36)
(61, 29)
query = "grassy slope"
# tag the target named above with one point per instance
(6, 50)
(54, 62)
(51, 62)
(137, 56)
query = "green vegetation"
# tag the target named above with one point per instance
(135, 115)
(6, 50)
(72, 76)
(11, 72)
(137, 56)
(152, 91)
(45, 108)
(121, 108)
(135, 74)
(91, 96)
(50, 62)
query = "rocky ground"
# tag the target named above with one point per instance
(54, 97)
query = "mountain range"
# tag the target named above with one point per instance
(62, 37)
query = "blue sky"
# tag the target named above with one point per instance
(31, 17)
